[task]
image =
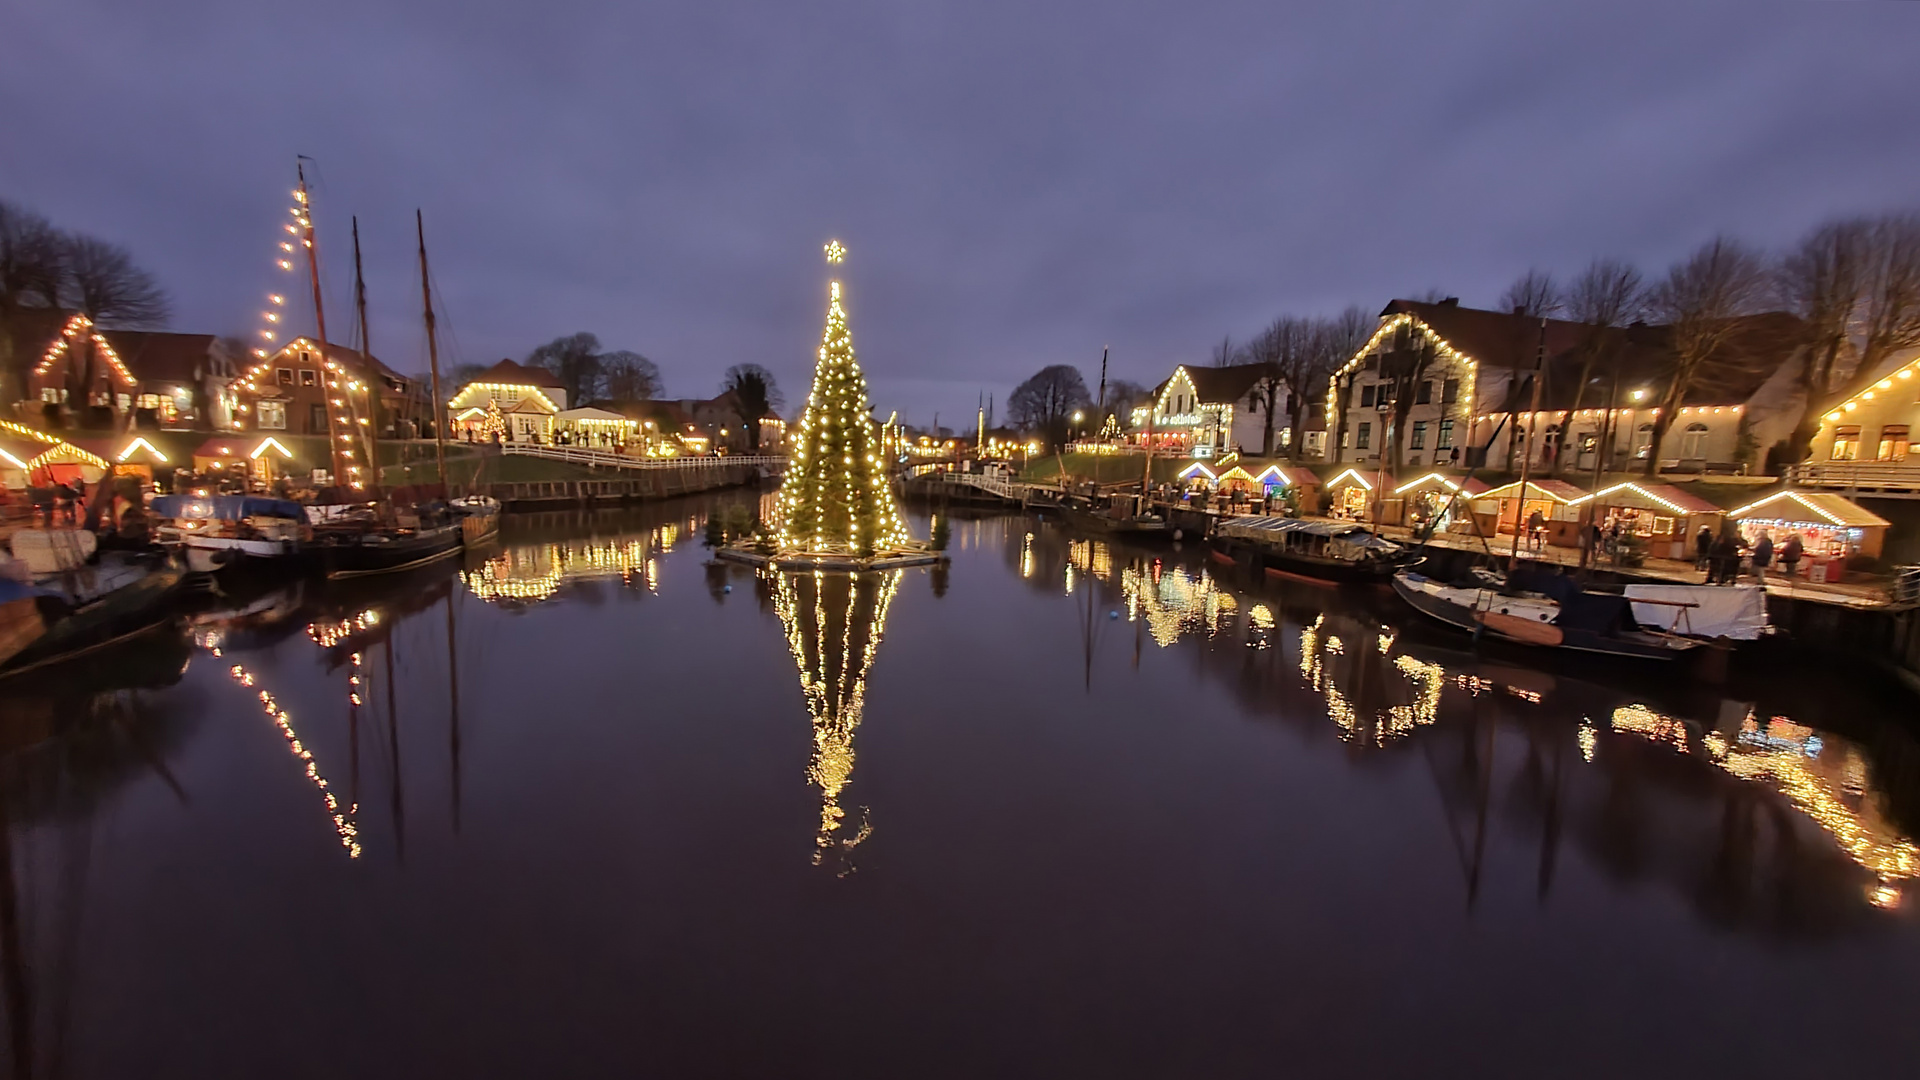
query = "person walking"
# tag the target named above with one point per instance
(1790, 555)
(1702, 549)
(1536, 529)
(1762, 555)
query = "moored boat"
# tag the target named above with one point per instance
(1572, 618)
(63, 600)
(1339, 551)
(216, 532)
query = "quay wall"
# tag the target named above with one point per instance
(657, 483)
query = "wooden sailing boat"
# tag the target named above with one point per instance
(479, 515)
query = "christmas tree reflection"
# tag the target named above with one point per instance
(834, 622)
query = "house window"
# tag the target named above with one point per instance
(316, 420)
(53, 395)
(1693, 444)
(1445, 440)
(1366, 435)
(1373, 362)
(1846, 443)
(309, 377)
(1425, 394)
(1893, 443)
(1420, 433)
(1366, 397)
(1450, 391)
(273, 415)
(1643, 441)
(284, 376)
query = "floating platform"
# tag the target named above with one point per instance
(799, 560)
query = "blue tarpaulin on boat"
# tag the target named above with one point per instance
(224, 507)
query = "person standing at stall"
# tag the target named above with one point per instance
(1702, 549)
(1790, 555)
(1762, 555)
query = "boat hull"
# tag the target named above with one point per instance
(1499, 625)
(389, 552)
(1338, 571)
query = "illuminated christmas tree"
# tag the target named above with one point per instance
(837, 498)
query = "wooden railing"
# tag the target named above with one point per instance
(1890, 476)
(581, 455)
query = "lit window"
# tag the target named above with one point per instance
(1846, 443)
(1893, 443)
(309, 377)
(1693, 444)
(272, 414)
(283, 376)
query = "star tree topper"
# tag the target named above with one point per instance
(836, 253)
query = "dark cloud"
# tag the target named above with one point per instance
(1019, 184)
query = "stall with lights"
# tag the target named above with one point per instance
(1352, 493)
(1662, 515)
(1433, 498)
(1506, 508)
(243, 461)
(508, 400)
(1831, 527)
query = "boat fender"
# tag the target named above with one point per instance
(726, 588)
(1178, 535)
(1113, 614)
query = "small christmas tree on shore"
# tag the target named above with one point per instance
(837, 498)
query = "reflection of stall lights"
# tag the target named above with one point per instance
(1588, 740)
(1776, 760)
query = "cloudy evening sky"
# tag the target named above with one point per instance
(1018, 184)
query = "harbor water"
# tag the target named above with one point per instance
(587, 805)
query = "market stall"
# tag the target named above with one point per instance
(1437, 498)
(1831, 528)
(1662, 516)
(1503, 509)
(1352, 494)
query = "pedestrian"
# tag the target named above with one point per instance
(1702, 549)
(1762, 555)
(1790, 555)
(1723, 560)
(1536, 529)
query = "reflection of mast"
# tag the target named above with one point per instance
(833, 624)
(393, 750)
(453, 693)
(13, 965)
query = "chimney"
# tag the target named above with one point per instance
(1451, 301)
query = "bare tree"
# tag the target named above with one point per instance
(1122, 397)
(1270, 348)
(105, 285)
(1891, 313)
(1045, 401)
(1823, 281)
(1701, 301)
(1227, 353)
(1346, 334)
(753, 388)
(573, 359)
(628, 376)
(1533, 296)
(29, 278)
(1607, 295)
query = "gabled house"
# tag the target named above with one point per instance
(168, 380)
(286, 392)
(1470, 374)
(1207, 411)
(526, 399)
(1865, 439)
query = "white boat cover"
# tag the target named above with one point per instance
(1735, 611)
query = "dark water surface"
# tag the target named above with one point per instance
(1068, 808)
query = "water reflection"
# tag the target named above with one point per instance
(523, 573)
(70, 740)
(833, 624)
(1496, 737)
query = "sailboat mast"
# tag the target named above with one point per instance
(366, 350)
(433, 359)
(337, 440)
